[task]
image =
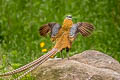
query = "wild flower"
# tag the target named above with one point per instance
(44, 50)
(42, 44)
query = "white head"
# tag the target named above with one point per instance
(69, 17)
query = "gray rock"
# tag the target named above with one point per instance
(89, 65)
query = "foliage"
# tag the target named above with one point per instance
(20, 21)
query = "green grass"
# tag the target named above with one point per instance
(21, 19)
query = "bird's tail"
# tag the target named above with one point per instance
(50, 53)
(35, 63)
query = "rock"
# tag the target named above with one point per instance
(97, 59)
(89, 65)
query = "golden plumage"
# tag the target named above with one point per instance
(63, 40)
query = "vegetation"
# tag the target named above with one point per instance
(20, 21)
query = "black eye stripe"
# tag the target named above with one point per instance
(69, 16)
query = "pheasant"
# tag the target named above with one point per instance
(63, 36)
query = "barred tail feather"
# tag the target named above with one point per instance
(23, 68)
(50, 53)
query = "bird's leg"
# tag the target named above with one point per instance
(67, 50)
(61, 54)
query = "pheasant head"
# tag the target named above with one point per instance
(67, 23)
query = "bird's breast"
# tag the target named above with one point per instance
(63, 41)
(67, 24)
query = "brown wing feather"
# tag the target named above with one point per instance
(85, 28)
(44, 29)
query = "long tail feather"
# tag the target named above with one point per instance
(23, 68)
(52, 52)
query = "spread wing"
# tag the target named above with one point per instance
(84, 28)
(52, 27)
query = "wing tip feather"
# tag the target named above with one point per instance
(85, 28)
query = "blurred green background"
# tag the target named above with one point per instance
(20, 21)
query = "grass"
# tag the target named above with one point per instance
(21, 19)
